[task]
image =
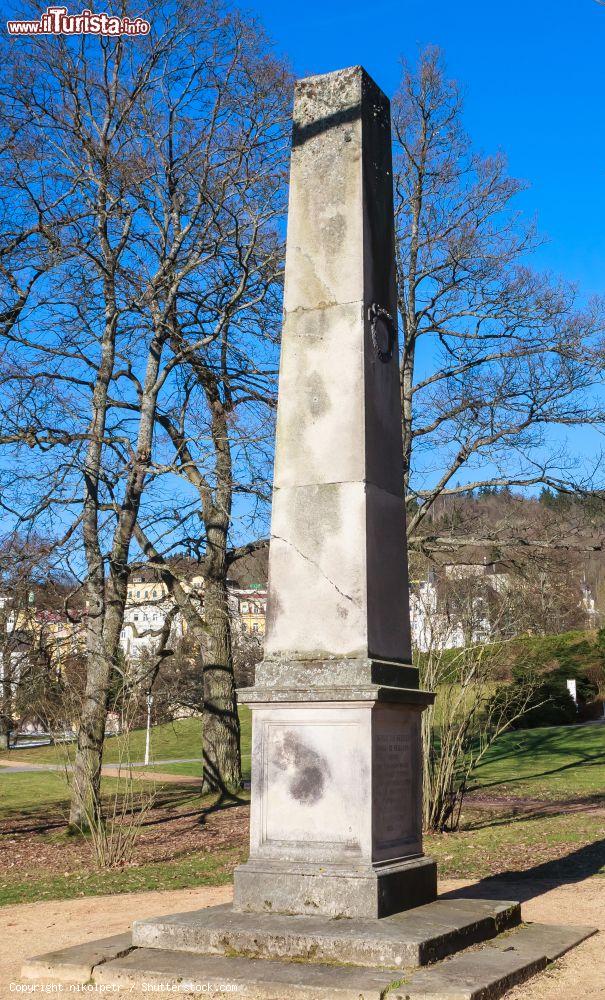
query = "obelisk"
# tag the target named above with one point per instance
(336, 757)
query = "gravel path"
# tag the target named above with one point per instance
(112, 770)
(35, 928)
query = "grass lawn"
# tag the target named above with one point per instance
(27, 794)
(185, 840)
(198, 868)
(189, 840)
(33, 793)
(552, 763)
(544, 846)
(171, 741)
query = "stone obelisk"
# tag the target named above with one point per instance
(336, 758)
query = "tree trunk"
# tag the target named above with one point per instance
(6, 704)
(103, 636)
(221, 731)
(407, 391)
(86, 782)
(211, 628)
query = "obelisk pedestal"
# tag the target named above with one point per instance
(336, 756)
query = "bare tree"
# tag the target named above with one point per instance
(494, 354)
(40, 639)
(128, 162)
(215, 424)
(469, 714)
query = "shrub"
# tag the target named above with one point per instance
(551, 703)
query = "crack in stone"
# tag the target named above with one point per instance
(318, 567)
(320, 306)
(122, 953)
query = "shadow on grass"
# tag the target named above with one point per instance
(168, 806)
(528, 883)
(585, 760)
(506, 812)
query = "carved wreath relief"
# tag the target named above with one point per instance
(382, 330)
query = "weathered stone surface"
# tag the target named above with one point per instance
(336, 805)
(354, 892)
(477, 974)
(263, 697)
(75, 965)
(336, 783)
(337, 563)
(405, 940)
(336, 768)
(488, 972)
(338, 672)
(551, 940)
(255, 979)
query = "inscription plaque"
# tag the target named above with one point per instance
(396, 786)
(392, 752)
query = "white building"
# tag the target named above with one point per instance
(436, 622)
(148, 604)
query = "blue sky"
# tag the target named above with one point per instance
(534, 77)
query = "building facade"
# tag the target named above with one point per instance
(149, 604)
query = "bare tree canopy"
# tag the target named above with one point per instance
(141, 250)
(495, 355)
(138, 247)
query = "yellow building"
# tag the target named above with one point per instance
(251, 608)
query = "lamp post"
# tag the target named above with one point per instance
(148, 734)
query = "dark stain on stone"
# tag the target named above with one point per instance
(334, 232)
(306, 785)
(319, 400)
(273, 609)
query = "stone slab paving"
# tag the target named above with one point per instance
(76, 964)
(404, 940)
(479, 973)
(553, 939)
(255, 979)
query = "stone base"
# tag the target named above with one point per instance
(407, 940)
(475, 974)
(335, 819)
(287, 887)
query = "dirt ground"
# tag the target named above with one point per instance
(169, 831)
(35, 928)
